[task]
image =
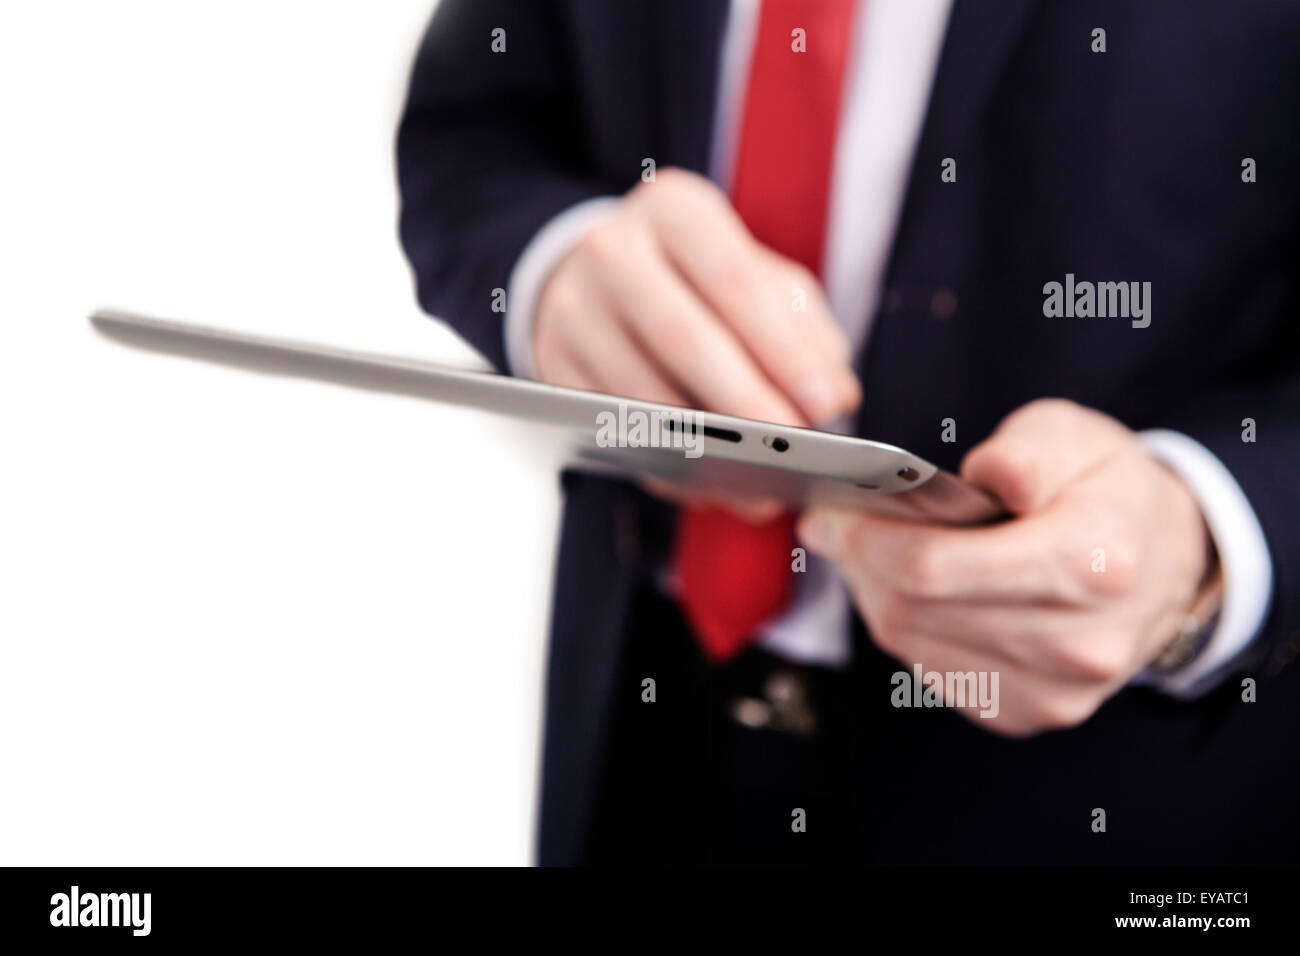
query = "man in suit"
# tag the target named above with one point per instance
(1049, 245)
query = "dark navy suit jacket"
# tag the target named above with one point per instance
(1121, 166)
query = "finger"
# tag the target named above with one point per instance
(1013, 561)
(776, 309)
(1065, 644)
(756, 294)
(558, 365)
(1018, 702)
(753, 510)
(618, 364)
(702, 357)
(913, 648)
(814, 325)
(1041, 448)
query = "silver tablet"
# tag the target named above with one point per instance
(703, 451)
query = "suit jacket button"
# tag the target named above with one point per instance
(1284, 655)
(943, 303)
(751, 712)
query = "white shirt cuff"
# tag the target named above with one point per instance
(1243, 555)
(542, 254)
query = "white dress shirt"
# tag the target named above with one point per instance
(892, 61)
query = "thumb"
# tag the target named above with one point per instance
(1040, 449)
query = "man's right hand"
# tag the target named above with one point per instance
(672, 300)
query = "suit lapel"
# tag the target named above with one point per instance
(914, 332)
(688, 38)
(979, 40)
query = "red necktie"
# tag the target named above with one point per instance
(731, 575)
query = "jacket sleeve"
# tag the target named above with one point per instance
(489, 149)
(1255, 431)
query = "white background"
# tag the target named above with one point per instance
(244, 620)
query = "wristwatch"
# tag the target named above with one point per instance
(1196, 627)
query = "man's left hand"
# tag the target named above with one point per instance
(1068, 600)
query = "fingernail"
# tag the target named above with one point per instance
(758, 512)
